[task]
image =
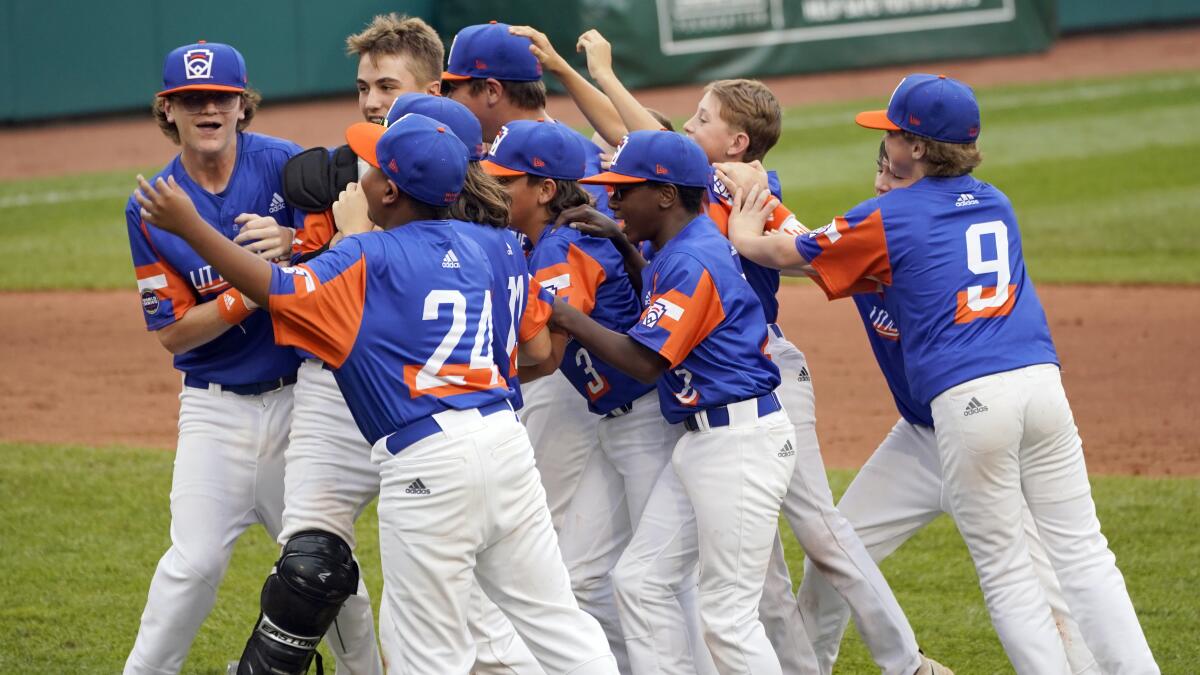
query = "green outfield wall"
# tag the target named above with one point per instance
(69, 58)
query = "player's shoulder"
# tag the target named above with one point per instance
(255, 143)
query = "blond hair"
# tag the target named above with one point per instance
(250, 101)
(399, 35)
(748, 105)
(946, 160)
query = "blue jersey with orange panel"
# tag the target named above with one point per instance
(172, 278)
(884, 335)
(511, 283)
(403, 316)
(764, 280)
(703, 317)
(589, 273)
(949, 252)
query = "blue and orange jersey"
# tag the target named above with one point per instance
(948, 251)
(589, 273)
(703, 317)
(883, 333)
(403, 316)
(512, 281)
(172, 278)
(764, 280)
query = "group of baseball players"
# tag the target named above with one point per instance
(556, 362)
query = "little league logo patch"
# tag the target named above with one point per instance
(661, 307)
(197, 64)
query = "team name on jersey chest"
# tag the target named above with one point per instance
(883, 324)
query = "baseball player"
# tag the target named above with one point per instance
(742, 119)
(330, 478)
(403, 316)
(236, 401)
(700, 339)
(978, 352)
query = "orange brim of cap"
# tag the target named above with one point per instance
(875, 119)
(201, 87)
(610, 178)
(362, 137)
(493, 169)
(447, 75)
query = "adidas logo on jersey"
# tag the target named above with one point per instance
(804, 376)
(966, 199)
(417, 488)
(974, 407)
(787, 450)
(450, 261)
(277, 203)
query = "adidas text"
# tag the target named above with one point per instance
(417, 488)
(277, 203)
(974, 407)
(804, 376)
(966, 199)
(450, 261)
(787, 450)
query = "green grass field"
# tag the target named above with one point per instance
(84, 528)
(1105, 182)
(1103, 175)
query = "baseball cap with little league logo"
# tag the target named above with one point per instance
(660, 156)
(420, 155)
(203, 66)
(453, 114)
(537, 148)
(933, 106)
(489, 50)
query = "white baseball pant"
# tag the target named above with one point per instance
(895, 494)
(228, 476)
(717, 505)
(584, 493)
(828, 539)
(329, 480)
(1006, 440)
(481, 515)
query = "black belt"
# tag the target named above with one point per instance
(719, 416)
(252, 389)
(619, 411)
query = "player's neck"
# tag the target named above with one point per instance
(534, 227)
(211, 171)
(673, 222)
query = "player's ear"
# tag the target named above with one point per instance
(434, 88)
(547, 188)
(739, 144)
(668, 195)
(495, 91)
(919, 150)
(168, 109)
(391, 193)
(242, 107)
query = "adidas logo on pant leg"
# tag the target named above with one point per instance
(417, 488)
(974, 407)
(787, 450)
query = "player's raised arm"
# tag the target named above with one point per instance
(595, 224)
(746, 221)
(599, 56)
(168, 207)
(595, 106)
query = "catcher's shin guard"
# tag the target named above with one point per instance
(314, 575)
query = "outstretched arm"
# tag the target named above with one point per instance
(746, 222)
(620, 350)
(166, 206)
(592, 102)
(599, 56)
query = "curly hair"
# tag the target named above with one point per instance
(947, 160)
(250, 101)
(482, 200)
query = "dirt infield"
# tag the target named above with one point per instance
(134, 142)
(80, 368)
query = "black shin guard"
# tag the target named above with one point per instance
(314, 575)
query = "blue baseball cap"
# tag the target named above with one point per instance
(489, 50)
(420, 155)
(458, 117)
(661, 156)
(538, 148)
(203, 66)
(933, 106)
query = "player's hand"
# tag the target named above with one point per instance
(740, 175)
(350, 211)
(560, 315)
(605, 160)
(589, 221)
(542, 49)
(165, 205)
(750, 211)
(599, 53)
(264, 237)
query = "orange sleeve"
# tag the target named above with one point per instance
(317, 232)
(320, 316)
(538, 307)
(848, 258)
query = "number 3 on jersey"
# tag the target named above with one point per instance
(438, 378)
(597, 386)
(982, 302)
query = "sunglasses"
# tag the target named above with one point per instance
(620, 191)
(197, 101)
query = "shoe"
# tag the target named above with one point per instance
(232, 668)
(931, 667)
